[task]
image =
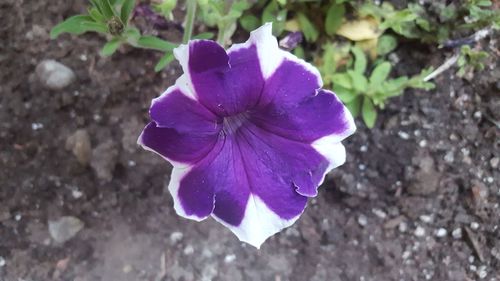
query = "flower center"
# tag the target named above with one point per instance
(232, 123)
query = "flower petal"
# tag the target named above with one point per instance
(174, 109)
(314, 117)
(225, 84)
(293, 80)
(177, 148)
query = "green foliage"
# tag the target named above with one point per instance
(470, 60)
(224, 15)
(361, 92)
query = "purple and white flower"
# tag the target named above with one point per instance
(249, 132)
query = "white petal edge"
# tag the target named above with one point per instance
(270, 55)
(179, 171)
(173, 187)
(258, 224)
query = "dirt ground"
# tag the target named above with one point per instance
(418, 198)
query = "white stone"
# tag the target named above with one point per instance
(54, 75)
(419, 231)
(229, 258)
(64, 228)
(441, 232)
(457, 233)
(362, 220)
(176, 236)
(2, 262)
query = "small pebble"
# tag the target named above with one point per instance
(457, 233)
(363, 148)
(188, 250)
(482, 272)
(229, 258)
(18, 217)
(54, 75)
(176, 237)
(403, 227)
(494, 162)
(441, 232)
(2, 262)
(64, 228)
(403, 135)
(36, 126)
(379, 213)
(77, 194)
(362, 220)
(422, 143)
(426, 218)
(474, 225)
(419, 231)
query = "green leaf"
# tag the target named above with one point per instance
(73, 25)
(368, 112)
(204, 35)
(380, 74)
(95, 26)
(386, 44)
(249, 22)
(127, 7)
(345, 95)
(334, 17)
(342, 79)
(359, 81)
(164, 61)
(96, 15)
(155, 43)
(110, 47)
(310, 32)
(359, 60)
(355, 106)
(107, 9)
(299, 52)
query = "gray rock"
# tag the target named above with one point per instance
(54, 75)
(104, 158)
(64, 228)
(426, 178)
(131, 130)
(79, 144)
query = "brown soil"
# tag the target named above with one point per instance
(427, 173)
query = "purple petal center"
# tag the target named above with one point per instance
(232, 123)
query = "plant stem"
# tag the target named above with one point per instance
(188, 28)
(221, 34)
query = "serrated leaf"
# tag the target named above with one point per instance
(110, 47)
(360, 60)
(249, 22)
(126, 10)
(155, 43)
(368, 112)
(355, 106)
(362, 29)
(334, 18)
(164, 61)
(386, 44)
(310, 32)
(73, 25)
(380, 74)
(359, 81)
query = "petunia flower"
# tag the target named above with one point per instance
(249, 132)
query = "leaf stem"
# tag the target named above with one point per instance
(188, 29)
